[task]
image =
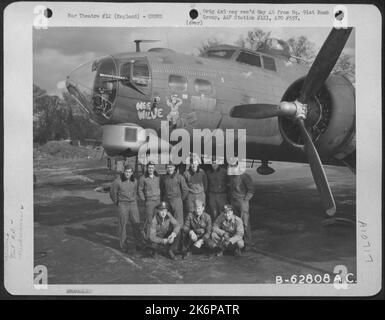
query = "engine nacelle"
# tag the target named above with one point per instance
(331, 117)
(123, 139)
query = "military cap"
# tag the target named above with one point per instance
(228, 207)
(162, 205)
(128, 167)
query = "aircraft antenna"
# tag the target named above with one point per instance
(138, 41)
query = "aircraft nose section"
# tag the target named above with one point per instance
(93, 86)
(79, 84)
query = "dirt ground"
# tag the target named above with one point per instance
(76, 230)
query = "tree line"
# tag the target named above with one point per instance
(301, 49)
(57, 118)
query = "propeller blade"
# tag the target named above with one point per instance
(261, 111)
(324, 63)
(318, 172)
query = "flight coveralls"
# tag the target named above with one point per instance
(200, 225)
(123, 195)
(197, 187)
(217, 191)
(231, 230)
(241, 191)
(149, 192)
(173, 190)
(160, 229)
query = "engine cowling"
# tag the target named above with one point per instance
(330, 118)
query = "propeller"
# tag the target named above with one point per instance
(261, 111)
(324, 63)
(318, 172)
(297, 110)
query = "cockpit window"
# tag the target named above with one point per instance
(141, 74)
(135, 73)
(269, 63)
(224, 54)
(249, 58)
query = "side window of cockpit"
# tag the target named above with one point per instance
(203, 86)
(177, 83)
(269, 63)
(136, 73)
(141, 74)
(251, 59)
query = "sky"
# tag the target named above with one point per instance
(59, 50)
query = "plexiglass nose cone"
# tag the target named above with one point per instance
(93, 86)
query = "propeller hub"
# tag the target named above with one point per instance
(301, 110)
(295, 110)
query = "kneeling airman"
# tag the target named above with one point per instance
(163, 233)
(228, 232)
(196, 230)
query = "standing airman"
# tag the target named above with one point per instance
(174, 190)
(217, 192)
(149, 192)
(123, 194)
(196, 180)
(241, 190)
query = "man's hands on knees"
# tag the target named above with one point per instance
(171, 238)
(193, 236)
(226, 239)
(198, 243)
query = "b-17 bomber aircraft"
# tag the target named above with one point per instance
(290, 112)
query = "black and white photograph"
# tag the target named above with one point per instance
(192, 157)
(103, 217)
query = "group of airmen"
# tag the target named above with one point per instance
(176, 220)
